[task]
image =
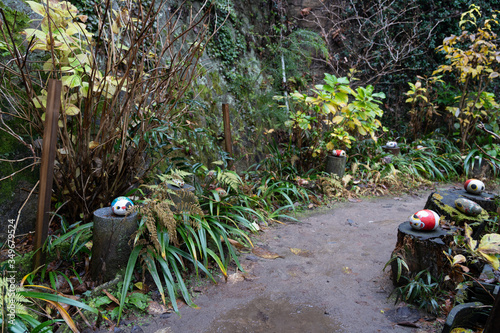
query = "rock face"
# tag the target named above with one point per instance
(15, 189)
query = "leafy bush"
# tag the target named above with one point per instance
(468, 74)
(120, 85)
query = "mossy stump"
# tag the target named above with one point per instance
(336, 165)
(420, 250)
(443, 203)
(111, 248)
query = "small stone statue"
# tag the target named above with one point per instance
(426, 220)
(222, 192)
(121, 206)
(468, 207)
(391, 144)
(474, 186)
(338, 153)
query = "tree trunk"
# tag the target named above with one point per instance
(336, 165)
(421, 250)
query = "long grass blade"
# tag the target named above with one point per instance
(127, 278)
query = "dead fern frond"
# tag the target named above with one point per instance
(332, 186)
(188, 204)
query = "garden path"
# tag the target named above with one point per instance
(329, 277)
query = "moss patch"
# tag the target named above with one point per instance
(455, 215)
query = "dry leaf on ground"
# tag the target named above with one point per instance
(263, 253)
(155, 308)
(235, 277)
(236, 244)
(300, 252)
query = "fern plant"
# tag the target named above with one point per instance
(14, 302)
(175, 236)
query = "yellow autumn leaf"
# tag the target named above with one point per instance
(71, 110)
(468, 237)
(330, 146)
(490, 244)
(40, 101)
(115, 28)
(329, 108)
(337, 119)
(297, 251)
(72, 29)
(48, 65)
(60, 123)
(461, 330)
(93, 144)
(458, 259)
(492, 259)
(36, 7)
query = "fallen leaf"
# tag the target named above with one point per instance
(346, 270)
(111, 297)
(263, 253)
(155, 308)
(300, 252)
(408, 324)
(235, 277)
(236, 244)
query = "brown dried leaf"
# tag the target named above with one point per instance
(111, 297)
(155, 308)
(236, 244)
(300, 252)
(263, 253)
(236, 277)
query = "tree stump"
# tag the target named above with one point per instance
(443, 203)
(111, 249)
(421, 250)
(394, 151)
(336, 165)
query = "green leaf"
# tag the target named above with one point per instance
(128, 277)
(139, 300)
(57, 298)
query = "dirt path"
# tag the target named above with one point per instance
(332, 283)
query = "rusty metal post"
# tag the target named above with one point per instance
(227, 129)
(47, 167)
